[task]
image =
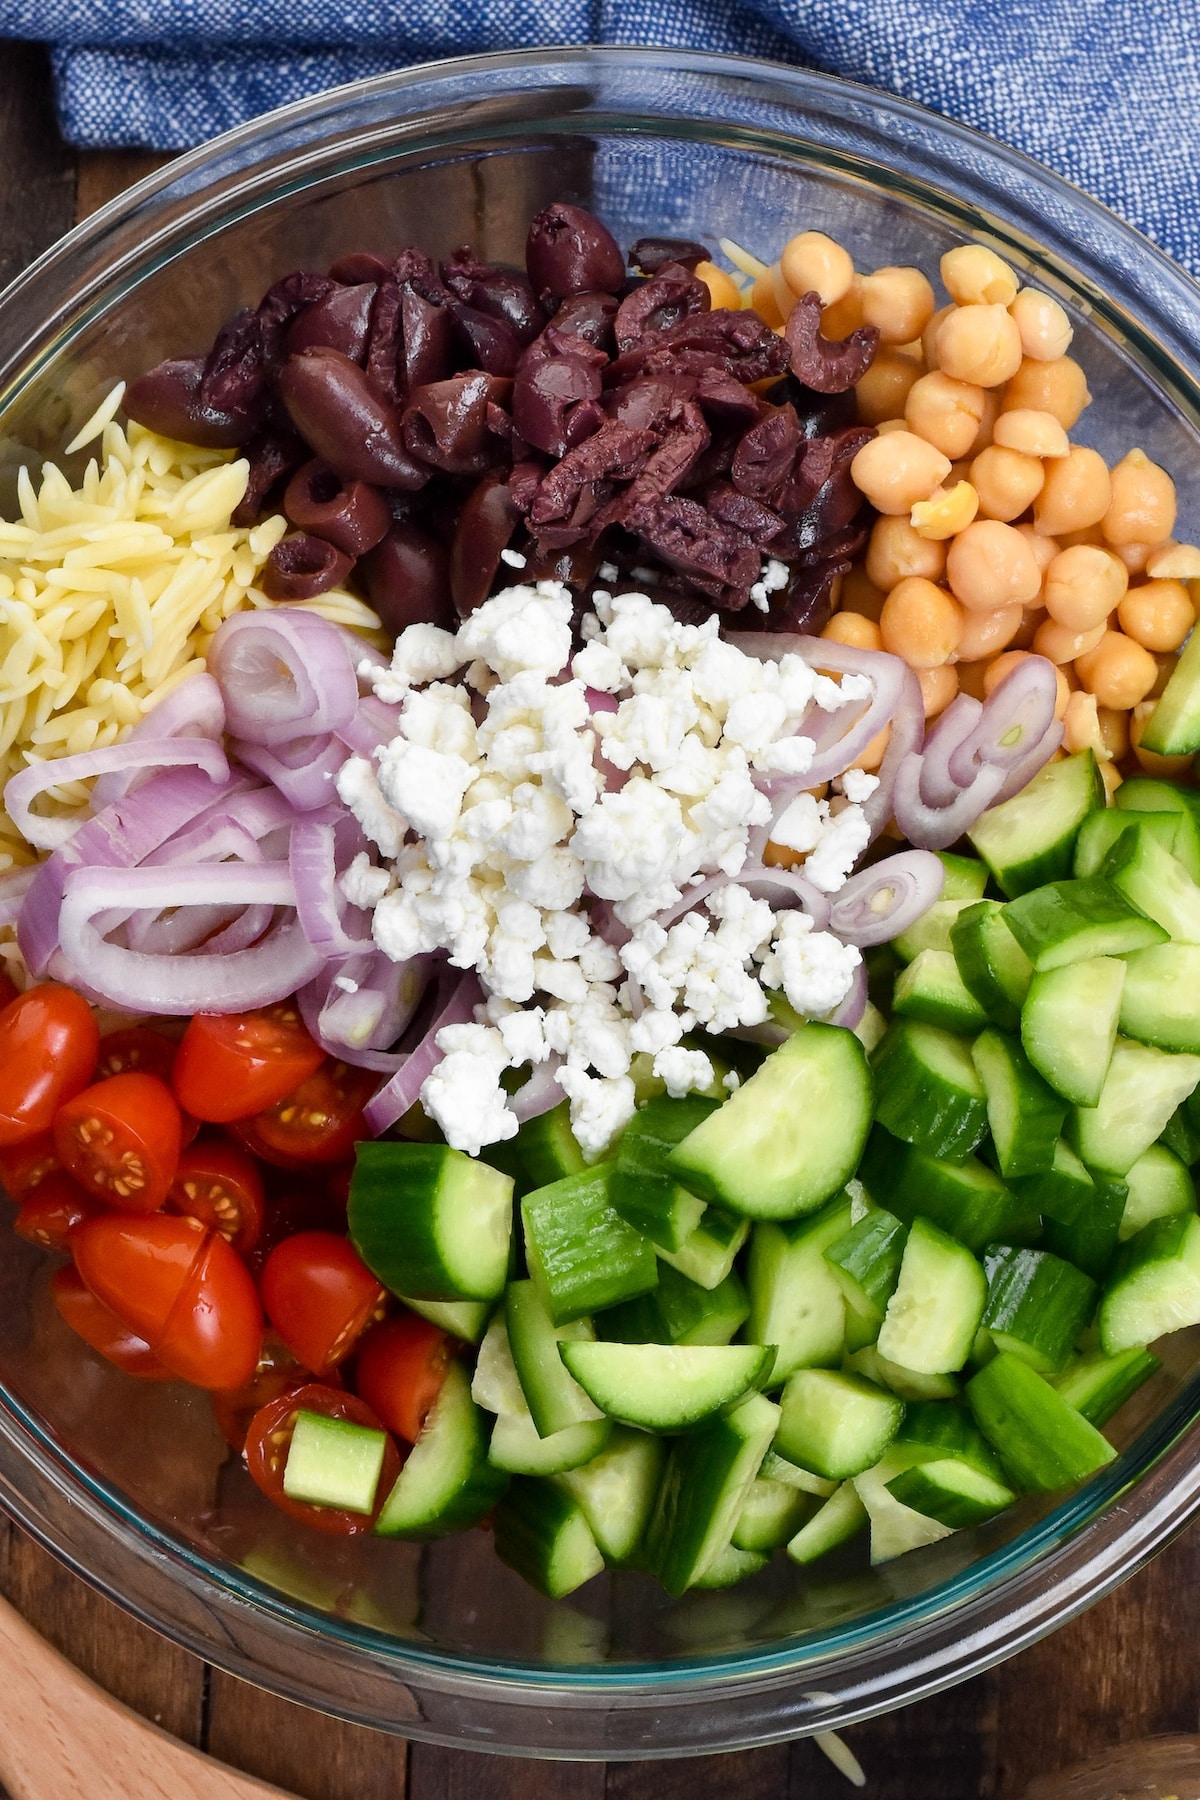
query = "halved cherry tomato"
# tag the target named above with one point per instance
(319, 1121)
(179, 1287)
(120, 1139)
(98, 1326)
(136, 1050)
(51, 1212)
(48, 1045)
(277, 1373)
(23, 1166)
(217, 1183)
(230, 1065)
(269, 1440)
(320, 1297)
(400, 1370)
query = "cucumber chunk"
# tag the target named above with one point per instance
(1155, 1285)
(447, 1483)
(730, 1566)
(617, 1491)
(994, 968)
(964, 881)
(1037, 1305)
(795, 1299)
(495, 1385)
(1181, 1134)
(1030, 839)
(835, 1424)
(1073, 921)
(932, 990)
(542, 1533)
(553, 1399)
(1024, 1113)
(581, 1253)
(465, 1319)
(1063, 1191)
(517, 1447)
(1173, 728)
(936, 1429)
(332, 1462)
(966, 1199)
(951, 1492)
(1042, 1442)
(778, 1468)
(1097, 1385)
(841, 1518)
(543, 1150)
(1159, 1003)
(1089, 1240)
(1150, 879)
(1141, 1091)
(1149, 798)
(1160, 1186)
(1069, 1025)
(678, 1311)
(666, 1387)
(932, 1317)
(895, 1528)
(866, 1265)
(771, 1514)
(708, 1476)
(791, 1136)
(708, 1255)
(927, 1090)
(431, 1222)
(645, 1194)
(906, 1384)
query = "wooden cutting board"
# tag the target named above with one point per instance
(61, 1738)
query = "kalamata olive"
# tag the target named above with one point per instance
(500, 292)
(360, 266)
(340, 322)
(589, 316)
(830, 366)
(427, 339)
(272, 455)
(334, 407)
(570, 252)
(556, 375)
(485, 525)
(352, 515)
(301, 567)
(408, 580)
(650, 253)
(446, 422)
(490, 343)
(167, 399)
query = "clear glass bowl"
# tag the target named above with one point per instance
(131, 1484)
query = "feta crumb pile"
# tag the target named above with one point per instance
(626, 773)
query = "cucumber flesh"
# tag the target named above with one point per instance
(796, 1301)
(1173, 728)
(835, 1424)
(542, 1533)
(1100, 831)
(1141, 1091)
(932, 990)
(730, 1566)
(951, 1492)
(1069, 1025)
(771, 1514)
(447, 1483)
(708, 1475)
(1063, 1191)
(932, 1317)
(1160, 1185)
(517, 1448)
(1158, 1000)
(332, 1462)
(708, 1255)
(1073, 921)
(838, 1520)
(465, 1319)
(1155, 1285)
(553, 1399)
(1030, 839)
(994, 968)
(1152, 880)
(666, 1387)
(430, 1221)
(906, 1384)
(778, 1468)
(1024, 1113)
(895, 1528)
(617, 1491)
(866, 1265)
(927, 1090)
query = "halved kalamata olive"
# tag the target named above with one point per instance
(491, 344)
(499, 292)
(359, 266)
(301, 567)
(339, 322)
(650, 253)
(408, 580)
(351, 514)
(334, 407)
(485, 525)
(446, 422)
(822, 363)
(272, 455)
(167, 399)
(589, 316)
(426, 339)
(570, 252)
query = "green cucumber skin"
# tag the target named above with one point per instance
(1039, 1304)
(646, 1195)
(932, 991)
(795, 1298)
(581, 1252)
(544, 1150)
(1154, 1287)
(455, 1441)
(707, 1256)
(617, 1491)
(659, 1387)
(1030, 839)
(404, 1214)
(1075, 921)
(1025, 1114)
(1069, 1025)
(542, 1533)
(933, 1429)
(555, 1402)
(707, 1477)
(942, 1113)
(835, 1424)
(950, 1492)
(1063, 1191)
(866, 1259)
(1098, 1386)
(1089, 1240)
(839, 1519)
(1042, 1442)
(1173, 728)
(967, 1200)
(994, 968)
(678, 1311)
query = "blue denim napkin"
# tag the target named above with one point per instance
(1104, 91)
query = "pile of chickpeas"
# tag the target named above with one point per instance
(997, 537)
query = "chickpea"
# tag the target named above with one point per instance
(1032, 619)
(1082, 586)
(1062, 645)
(1081, 728)
(885, 386)
(897, 470)
(945, 413)
(1114, 729)
(979, 344)
(1158, 615)
(875, 751)
(972, 676)
(813, 264)
(946, 512)
(723, 290)
(929, 335)
(987, 425)
(1045, 549)
(898, 302)
(765, 303)
(1032, 433)
(854, 629)
(1136, 557)
(1044, 327)
(986, 633)
(921, 623)
(1174, 562)
(1006, 481)
(845, 315)
(973, 275)
(1059, 388)
(1166, 663)
(896, 551)
(1167, 768)
(1118, 671)
(938, 688)
(990, 565)
(1075, 494)
(1142, 506)
(889, 425)
(860, 595)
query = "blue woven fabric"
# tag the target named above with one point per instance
(1102, 90)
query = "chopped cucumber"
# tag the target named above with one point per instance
(708, 1475)
(332, 1462)
(1173, 728)
(542, 1533)
(1063, 1191)
(1069, 1025)
(935, 1429)
(932, 990)
(835, 1424)
(1030, 839)
(1043, 1443)
(932, 1317)
(1149, 798)
(1100, 831)
(966, 1199)
(617, 1491)
(1141, 1091)
(866, 1265)
(729, 1566)
(1097, 1385)
(518, 1448)
(778, 1468)
(642, 1190)
(544, 1150)
(963, 883)
(581, 1253)
(994, 968)
(927, 1090)
(707, 1256)
(795, 1299)
(772, 1513)
(906, 1384)
(841, 1518)
(1151, 879)
(667, 1387)
(495, 1385)
(678, 1311)
(895, 1528)
(429, 1221)
(465, 1319)
(1037, 1305)
(1159, 1187)
(1073, 921)
(1024, 1113)
(1181, 1135)
(1155, 1285)
(791, 1136)
(1089, 1240)
(447, 1483)
(951, 1492)
(1159, 999)
(553, 1399)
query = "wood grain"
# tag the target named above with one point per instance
(37, 187)
(103, 174)
(307, 1752)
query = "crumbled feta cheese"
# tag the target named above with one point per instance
(421, 653)
(363, 884)
(600, 1108)
(522, 629)
(684, 1071)
(814, 969)
(799, 825)
(513, 558)
(463, 1093)
(858, 786)
(843, 841)
(358, 788)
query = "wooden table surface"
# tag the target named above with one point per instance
(1126, 1669)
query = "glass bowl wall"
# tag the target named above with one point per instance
(132, 1483)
